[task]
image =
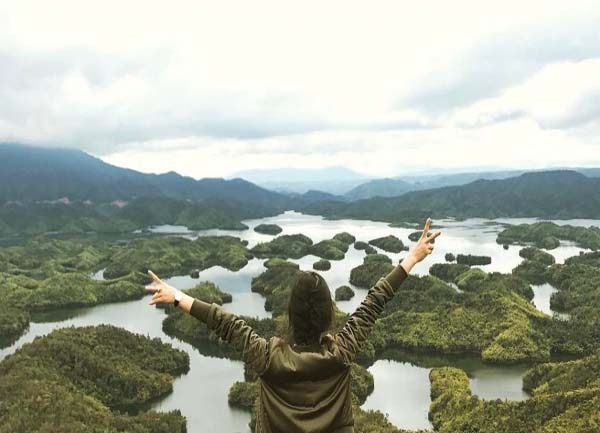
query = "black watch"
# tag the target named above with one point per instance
(178, 297)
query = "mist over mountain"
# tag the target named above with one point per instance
(333, 180)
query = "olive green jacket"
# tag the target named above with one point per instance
(303, 389)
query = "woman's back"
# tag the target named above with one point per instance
(305, 389)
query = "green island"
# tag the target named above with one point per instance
(565, 398)
(548, 235)
(360, 245)
(447, 271)
(330, 249)
(322, 265)
(49, 274)
(374, 267)
(13, 323)
(578, 283)
(81, 380)
(286, 246)
(275, 284)
(344, 293)
(415, 236)
(298, 245)
(173, 255)
(389, 243)
(537, 255)
(472, 260)
(268, 229)
(534, 267)
(345, 237)
(490, 318)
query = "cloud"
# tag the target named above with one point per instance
(218, 87)
(518, 143)
(560, 96)
(508, 56)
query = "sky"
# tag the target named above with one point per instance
(209, 89)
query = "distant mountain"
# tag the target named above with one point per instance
(333, 180)
(314, 196)
(549, 194)
(391, 187)
(589, 172)
(33, 173)
(45, 190)
(380, 188)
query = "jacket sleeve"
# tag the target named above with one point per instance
(358, 327)
(234, 330)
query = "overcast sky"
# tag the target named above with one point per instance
(384, 88)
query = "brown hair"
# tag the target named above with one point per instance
(310, 308)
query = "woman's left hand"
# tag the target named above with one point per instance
(163, 293)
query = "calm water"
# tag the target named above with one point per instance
(401, 387)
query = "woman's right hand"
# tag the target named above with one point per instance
(421, 249)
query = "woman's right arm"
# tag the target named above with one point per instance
(229, 327)
(358, 327)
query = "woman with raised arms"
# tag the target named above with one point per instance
(305, 382)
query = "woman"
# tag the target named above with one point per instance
(305, 383)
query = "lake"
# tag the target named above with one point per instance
(401, 383)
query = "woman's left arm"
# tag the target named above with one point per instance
(231, 328)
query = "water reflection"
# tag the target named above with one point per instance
(402, 392)
(402, 388)
(541, 298)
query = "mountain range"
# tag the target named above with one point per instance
(557, 194)
(34, 173)
(44, 190)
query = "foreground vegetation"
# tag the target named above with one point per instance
(48, 274)
(13, 323)
(80, 379)
(565, 399)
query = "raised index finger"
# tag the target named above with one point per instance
(154, 277)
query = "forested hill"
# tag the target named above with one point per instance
(548, 194)
(33, 173)
(60, 190)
